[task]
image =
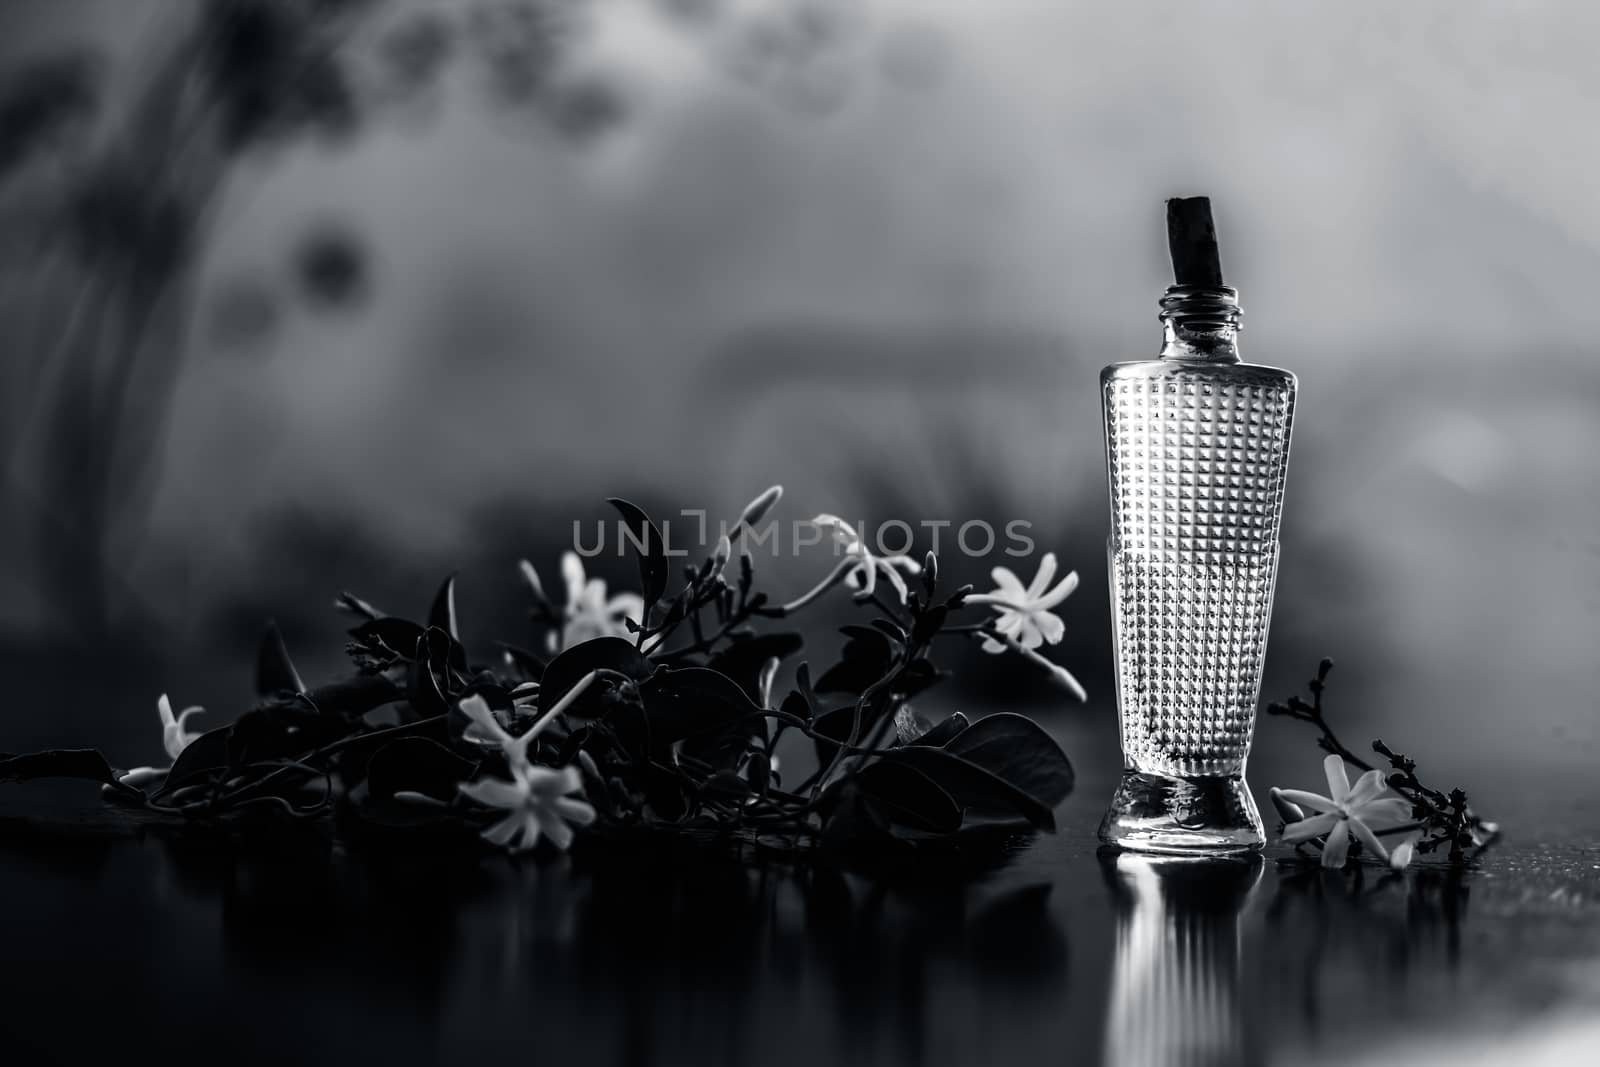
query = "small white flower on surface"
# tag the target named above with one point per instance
(485, 729)
(859, 568)
(537, 801)
(175, 736)
(588, 613)
(1026, 613)
(1350, 811)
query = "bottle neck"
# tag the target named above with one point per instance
(1202, 323)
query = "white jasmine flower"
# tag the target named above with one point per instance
(485, 728)
(588, 613)
(1350, 811)
(1026, 614)
(859, 568)
(537, 801)
(175, 736)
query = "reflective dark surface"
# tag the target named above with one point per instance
(123, 939)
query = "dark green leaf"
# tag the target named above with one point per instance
(400, 636)
(929, 623)
(85, 763)
(890, 629)
(918, 675)
(600, 654)
(742, 660)
(802, 679)
(834, 724)
(795, 704)
(355, 696)
(865, 658)
(275, 671)
(431, 687)
(278, 731)
(653, 566)
(1014, 748)
(205, 754)
(910, 798)
(417, 765)
(693, 700)
(443, 612)
(972, 786)
(944, 731)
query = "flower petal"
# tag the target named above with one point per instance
(904, 562)
(1337, 850)
(496, 792)
(992, 646)
(547, 782)
(1288, 811)
(1400, 858)
(869, 577)
(1308, 800)
(572, 574)
(1064, 588)
(1008, 585)
(842, 531)
(1296, 832)
(560, 833)
(1384, 812)
(483, 722)
(573, 810)
(1041, 581)
(1338, 778)
(1368, 787)
(1050, 626)
(1028, 635)
(895, 580)
(1009, 622)
(164, 709)
(503, 831)
(1368, 839)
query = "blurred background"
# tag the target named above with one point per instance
(304, 295)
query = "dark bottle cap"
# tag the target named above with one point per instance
(1192, 240)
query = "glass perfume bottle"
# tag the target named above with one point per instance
(1197, 448)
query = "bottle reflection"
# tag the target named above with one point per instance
(1175, 972)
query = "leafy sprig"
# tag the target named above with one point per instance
(671, 723)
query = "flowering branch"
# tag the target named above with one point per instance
(641, 712)
(1433, 819)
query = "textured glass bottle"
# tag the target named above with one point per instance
(1197, 447)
